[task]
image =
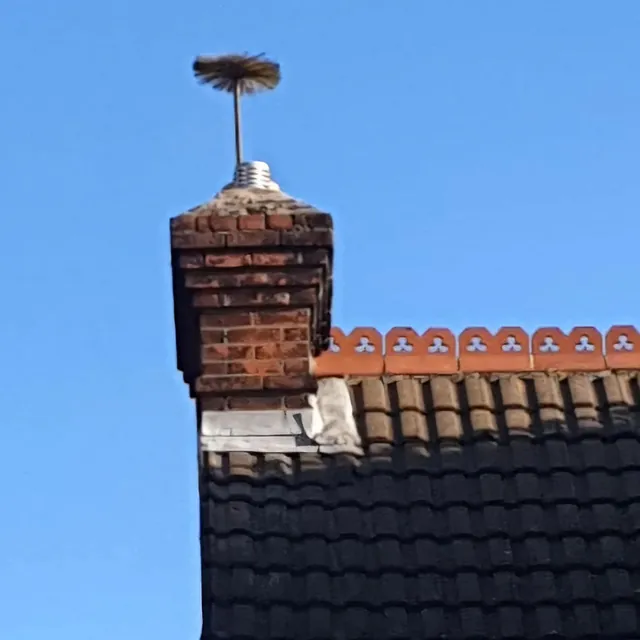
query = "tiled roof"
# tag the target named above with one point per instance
(487, 506)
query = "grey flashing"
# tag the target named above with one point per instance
(267, 431)
(327, 426)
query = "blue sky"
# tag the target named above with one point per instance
(481, 163)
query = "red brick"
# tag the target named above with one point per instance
(251, 403)
(253, 335)
(304, 238)
(298, 401)
(200, 280)
(256, 367)
(266, 278)
(212, 336)
(289, 382)
(314, 220)
(251, 222)
(297, 278)
(253, 298)
(184, 222)
(304, 297)
(195, 240)
(282, 350)
(315, 257)
(191, 260)
(203, 299)
(214, 352)
(208, 403)
(296, 334)
(278, 259)
(241, 352)
(252, 238)
(202, 223)
(225, 319)
(215, 369)
(279, 221)
(227, 260)
(300, 365)
(223, 223)
(221, 384)
(286, 317)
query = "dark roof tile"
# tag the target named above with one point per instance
(530, 533)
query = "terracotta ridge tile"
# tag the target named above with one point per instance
(402, 351)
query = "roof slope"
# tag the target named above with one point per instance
(486, 507)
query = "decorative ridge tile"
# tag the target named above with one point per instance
(404, 351)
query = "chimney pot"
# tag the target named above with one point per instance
(253, 175)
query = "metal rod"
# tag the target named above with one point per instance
(236, 112)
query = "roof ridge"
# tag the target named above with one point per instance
(403, 351)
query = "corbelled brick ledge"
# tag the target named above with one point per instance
(252, 302)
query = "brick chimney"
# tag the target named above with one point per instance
(252, 276)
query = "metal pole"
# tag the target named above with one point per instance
(236, 112)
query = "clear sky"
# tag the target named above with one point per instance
(481, 163)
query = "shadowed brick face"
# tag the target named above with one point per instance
(252, 297)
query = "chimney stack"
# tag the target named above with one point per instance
(252, 274)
